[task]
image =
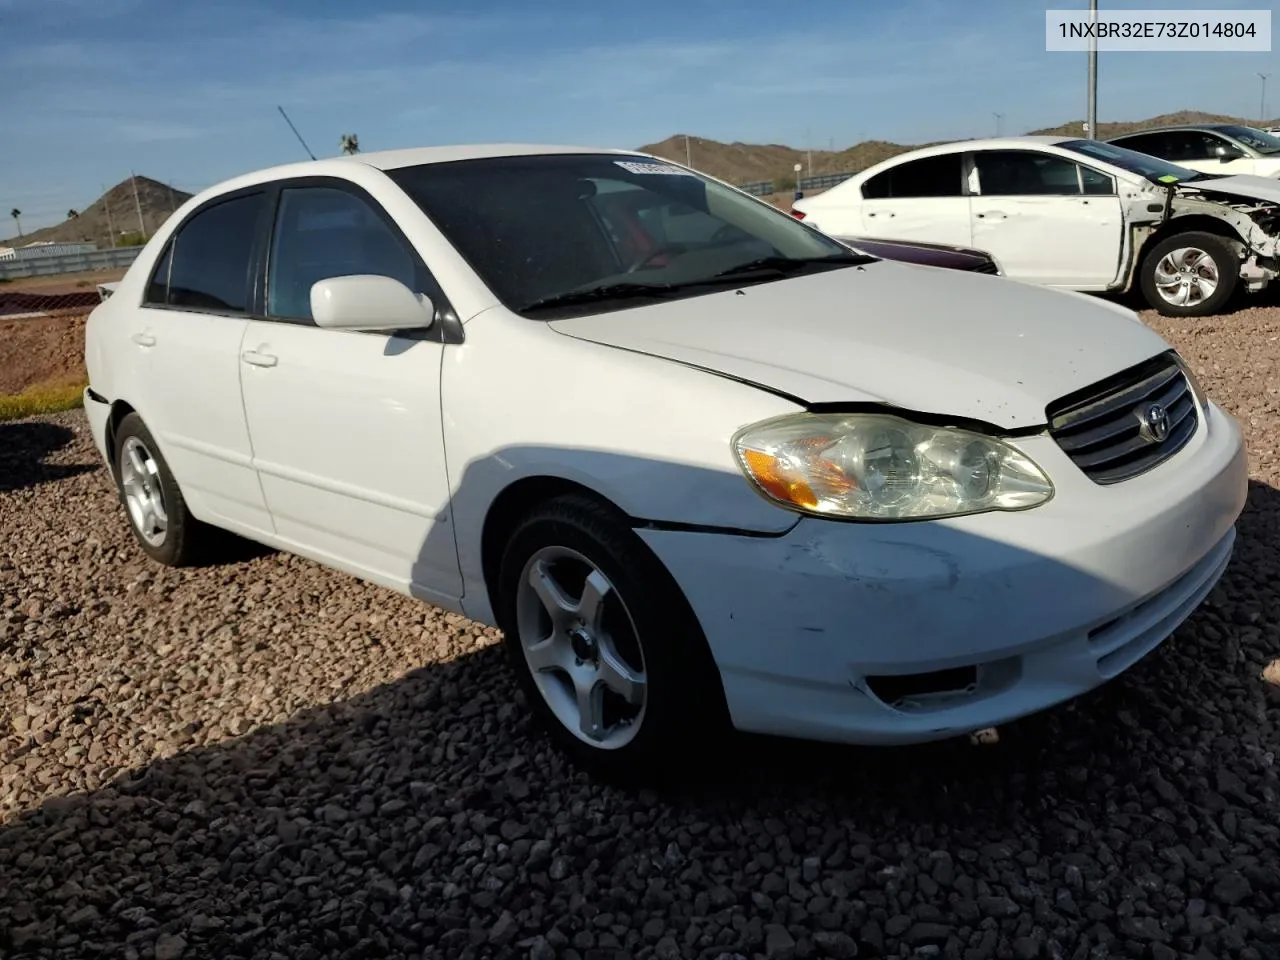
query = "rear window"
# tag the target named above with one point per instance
(207, 263)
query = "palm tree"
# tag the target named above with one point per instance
(349, 143)
(17, 218)
(72, 213)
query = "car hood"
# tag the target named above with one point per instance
(1240, 185)
(961, 345)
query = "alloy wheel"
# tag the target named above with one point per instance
(143, 493)
(582, 647)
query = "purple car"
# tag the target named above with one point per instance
(928, 254)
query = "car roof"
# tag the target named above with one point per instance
(1177, 126)
(395, 159)
(413, 156)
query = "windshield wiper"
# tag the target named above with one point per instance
(625, 290)
(608, 291)
(794, 264)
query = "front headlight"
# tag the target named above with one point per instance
(872, 466)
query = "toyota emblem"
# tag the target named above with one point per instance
(1155, 422)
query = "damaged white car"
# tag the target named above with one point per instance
(1074, 214)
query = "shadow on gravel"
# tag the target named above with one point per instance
(430, 818)
(23, 449)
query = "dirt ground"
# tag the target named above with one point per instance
(40, 350)
(62, 282)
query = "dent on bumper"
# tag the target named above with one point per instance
(1035, 608)
(98, 412)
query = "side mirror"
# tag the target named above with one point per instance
(370, 303)
(1227, 153)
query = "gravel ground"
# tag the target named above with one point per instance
(267, 759)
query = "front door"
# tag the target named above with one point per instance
(346, 426)
(1046, 219)
(187, 334)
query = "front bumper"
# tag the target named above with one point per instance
(1026, 609)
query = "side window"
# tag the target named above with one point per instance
(1206, 146)
(208, 260)
(938, 176)
(1022, 173)
(1096, 183)
(324, 232)
(1147, 143)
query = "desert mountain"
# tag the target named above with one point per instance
(115, 211)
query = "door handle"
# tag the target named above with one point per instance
(143, 339)
(993, 214)
(259, 359)
(881, 213)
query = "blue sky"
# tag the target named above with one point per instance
(186, 92)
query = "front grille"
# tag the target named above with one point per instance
(1104, 428)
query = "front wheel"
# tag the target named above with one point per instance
(1190, 275)
(604, 645)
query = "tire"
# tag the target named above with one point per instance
(645, 632)
(1206, 259)
(157, 512)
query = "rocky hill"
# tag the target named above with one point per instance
(116, 211)
(749, 162)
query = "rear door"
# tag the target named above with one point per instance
(187, 332)
(1047, 219)
(920, 199)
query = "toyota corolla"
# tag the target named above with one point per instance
(704, 466)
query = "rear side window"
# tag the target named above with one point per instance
(938, 176)
(208, 262)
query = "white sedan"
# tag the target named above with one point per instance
(1220, 148)
(1073, 214)
(705, 467)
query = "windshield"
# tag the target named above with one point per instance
(1154, 169)
(1259, 140)
(553, 234)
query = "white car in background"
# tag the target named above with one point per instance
(703, 465)
(1073, 214)
(1221, 148)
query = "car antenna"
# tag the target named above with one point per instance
(295, 132)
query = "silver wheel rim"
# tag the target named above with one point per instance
(582, 647)
(1186, 277)
(143, 494)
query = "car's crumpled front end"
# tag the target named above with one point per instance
(902, 632)
(1061, 495)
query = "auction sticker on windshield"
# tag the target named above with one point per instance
(636, 166)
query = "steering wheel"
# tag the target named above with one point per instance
(653, 254)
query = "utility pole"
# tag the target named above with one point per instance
(999, 123)
(808, 149)
(1262, 111)
(688, 153)
(142, 226)
(106, 205)
(1093, 70)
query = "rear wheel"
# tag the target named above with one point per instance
(605, 646)
(158, 515)
(1190, 275)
